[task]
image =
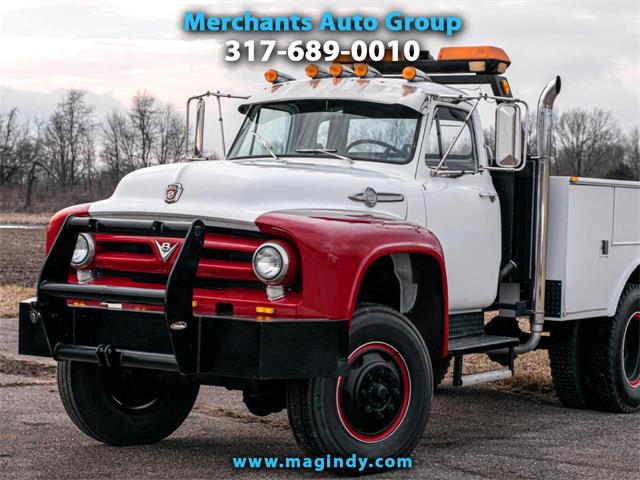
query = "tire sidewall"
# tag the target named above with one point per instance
(372, 324)
(110, 423)
(629, 306)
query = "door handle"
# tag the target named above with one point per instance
(490, 195)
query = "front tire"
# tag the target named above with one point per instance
(380, 409)
(124, 406)
(614, 357)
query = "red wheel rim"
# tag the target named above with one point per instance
(375, 368)
(631, 350)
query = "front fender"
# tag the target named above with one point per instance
(337, 248)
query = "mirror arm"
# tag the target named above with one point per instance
(218, 96)
(224, 147)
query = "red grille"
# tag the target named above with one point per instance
(225, 256)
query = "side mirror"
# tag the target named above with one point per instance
(199, 135)
(508, 136)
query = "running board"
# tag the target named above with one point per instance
(462, 346)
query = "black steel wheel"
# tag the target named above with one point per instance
(374, 397)
(124, 406)
(380, 409)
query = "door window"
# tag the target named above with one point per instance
(446, 124)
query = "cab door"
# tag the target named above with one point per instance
(463, 210)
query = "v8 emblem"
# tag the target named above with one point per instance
(165, 249)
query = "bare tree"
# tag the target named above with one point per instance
(69, 143)
(632, 152)
(588, 143)
(171, 136)
(143, 118)
(16, 147)
(118, 146)
(34, 163)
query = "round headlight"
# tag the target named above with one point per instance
(84, 252)
(271, 262)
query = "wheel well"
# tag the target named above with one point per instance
(634, 277)
(381, 284)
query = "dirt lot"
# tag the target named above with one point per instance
(21, 255)
(476, 432)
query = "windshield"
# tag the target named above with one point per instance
(353, 129)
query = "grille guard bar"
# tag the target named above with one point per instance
(177, 296)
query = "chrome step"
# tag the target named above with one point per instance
(484, 377)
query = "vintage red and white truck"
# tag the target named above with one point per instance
(341, 254)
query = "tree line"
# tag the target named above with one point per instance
(69, 156)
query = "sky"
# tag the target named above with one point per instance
(114, 48)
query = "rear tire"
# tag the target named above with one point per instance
(380, 409)
(614, 356)
(124, 406)
(567, 356)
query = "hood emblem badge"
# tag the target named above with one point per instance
(371, 198)
(165, 250)
(172, 192)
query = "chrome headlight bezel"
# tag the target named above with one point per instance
(88, 257)
(285, 263)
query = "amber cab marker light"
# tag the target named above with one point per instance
(336, 70)
(271, 75)
(314, 71)
(311, 70)
(267, 310)
(412, 74)
(409, 73)
(506, 89)
(363, 70)
(574, 179)
(274, 76)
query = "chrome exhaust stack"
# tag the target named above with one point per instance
(545, 145)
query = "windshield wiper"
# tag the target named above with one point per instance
(266, 145)
(327, 151)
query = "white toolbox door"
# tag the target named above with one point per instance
(589, 275)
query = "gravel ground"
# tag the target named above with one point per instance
(475, 432)
(472, 433)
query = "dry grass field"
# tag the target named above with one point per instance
(24, 218)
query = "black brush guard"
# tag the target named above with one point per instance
(227, 346)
